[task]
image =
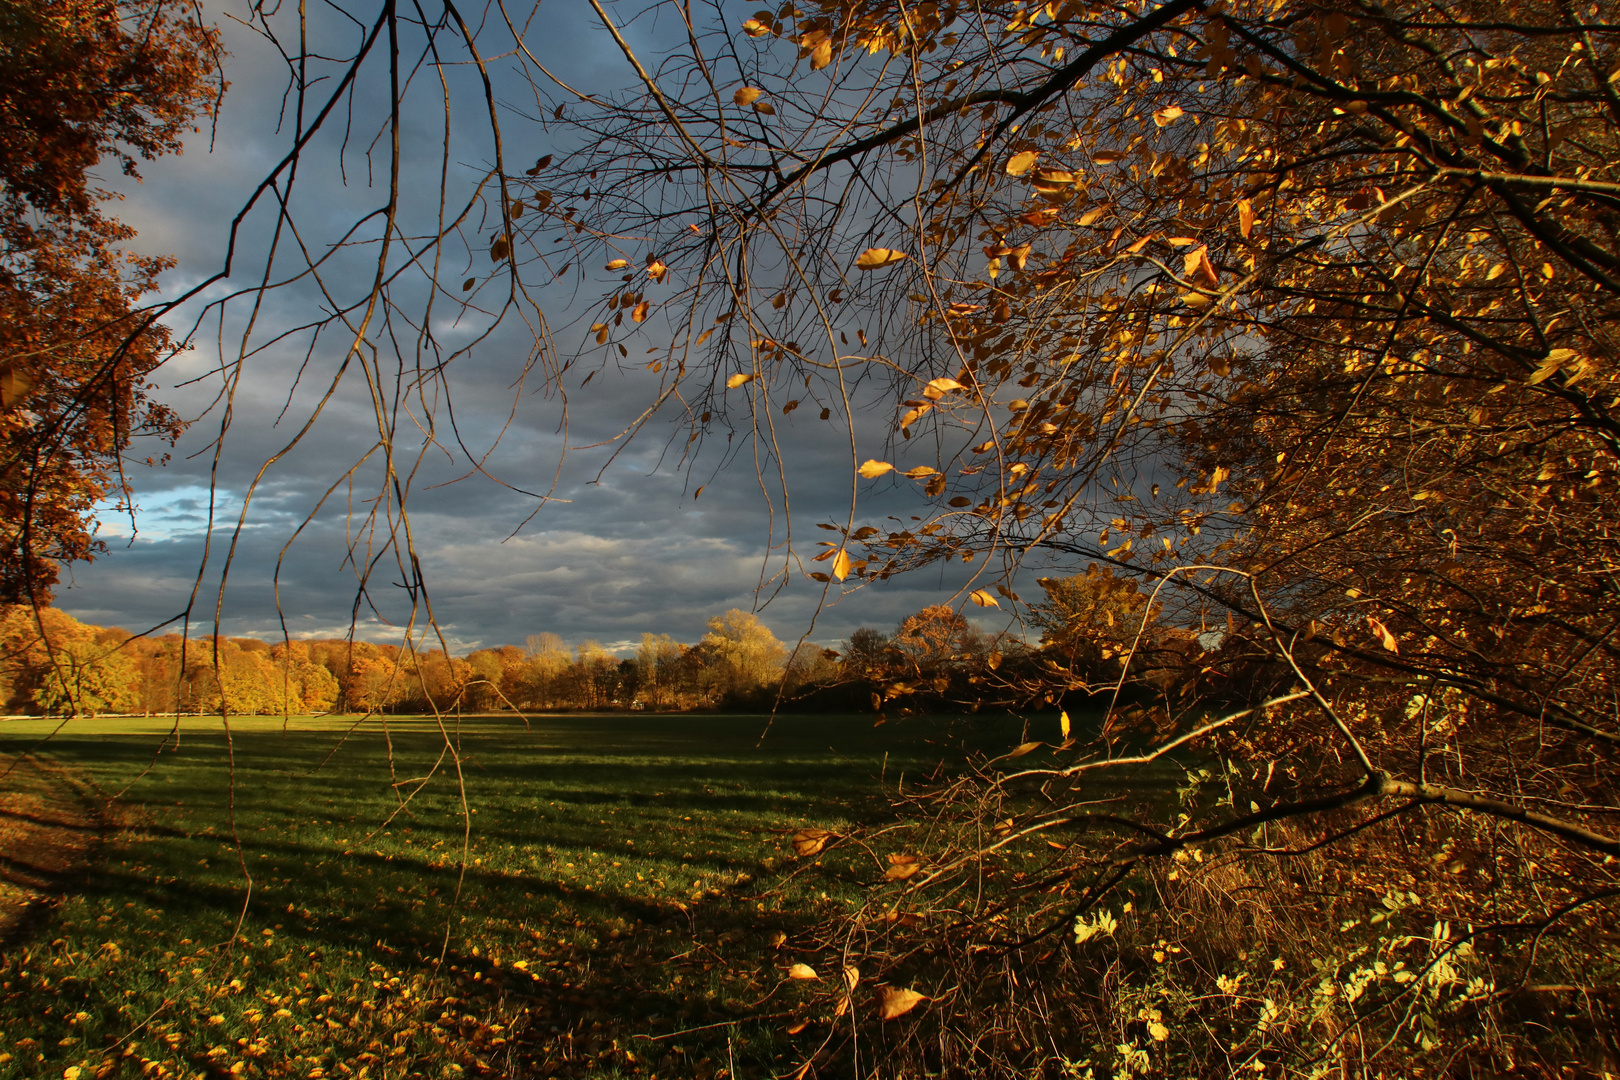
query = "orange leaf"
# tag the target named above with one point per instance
(1167, 115)
(840, 566)
(1385, 638)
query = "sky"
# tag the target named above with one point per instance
(625, 546)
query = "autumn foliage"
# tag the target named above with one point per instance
(80, 84)
(1299, 314)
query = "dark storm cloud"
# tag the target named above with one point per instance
(623, 547)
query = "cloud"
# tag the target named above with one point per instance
(621, 546)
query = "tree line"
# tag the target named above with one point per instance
(935, 659)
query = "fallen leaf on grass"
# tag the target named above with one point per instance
(894, 1002)
(807, 842)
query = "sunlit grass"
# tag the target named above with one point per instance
(588, 886)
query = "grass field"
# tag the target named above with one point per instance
(612, 902)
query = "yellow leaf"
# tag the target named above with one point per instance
(755, 28)
(1108, 157)
(748, 94)
(640, 314)
(1555, 360)
(705, 335)
(1090, 216)
(617, 264)
(914, 415)
(807, 842)
(983, 598)
(920, 472)
(1167, 115)
(895, 1002)
(875, 468)
(1050, 181)
(852, 975)
(1026, 748)
(1496, 271)
(1019, 164)
(802, 971)
(939, 387)
(840, 566)
(821, 55)
(876, 258)
(765, 108)
(1245, 217)
(738, 379)
(1063, 723)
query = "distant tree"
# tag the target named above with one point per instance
(935, 642)
(593, 677)
(866, 652)
(485, 672)
(1089, 621)
(374, 682)
(80, 82)
(744, 655)
(658, 662)
(51, 661)
(539, 682)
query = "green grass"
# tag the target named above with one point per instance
(616, 880)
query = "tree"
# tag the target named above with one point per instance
(51, 661)
(1300, 312)
(744, 656)
(79, 82)
(1092, 623)
(658, 661)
